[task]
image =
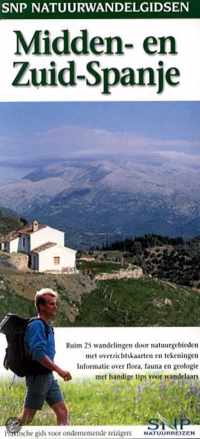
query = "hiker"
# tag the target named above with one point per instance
(40, 342)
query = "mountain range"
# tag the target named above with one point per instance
(96, 201)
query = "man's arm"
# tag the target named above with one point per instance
(47, 362)
(36, 341)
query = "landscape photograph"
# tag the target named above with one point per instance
(101, 201)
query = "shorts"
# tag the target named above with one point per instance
(41, 388)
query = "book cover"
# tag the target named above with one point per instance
(99, 201)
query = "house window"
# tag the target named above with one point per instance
(56, 260)
(23, 242)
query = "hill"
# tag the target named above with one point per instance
(9, 221)
(173, 259)
(155, 300)
(102, 200)
(17, 292)
(143, 302)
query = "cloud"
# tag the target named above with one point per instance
(181, 158)
(77, 141)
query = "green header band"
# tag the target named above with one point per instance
(94, 9)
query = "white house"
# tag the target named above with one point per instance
(44, 245)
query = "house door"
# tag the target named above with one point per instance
(34, 262)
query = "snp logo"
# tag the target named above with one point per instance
(162, 424)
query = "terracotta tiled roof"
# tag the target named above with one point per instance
(9, 237)
(43, 247)
(27, 230)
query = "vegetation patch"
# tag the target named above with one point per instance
(9, 221)
(17, 291)
(142, 302)
(173, 259)
(113, 402)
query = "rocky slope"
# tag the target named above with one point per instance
(95, 201)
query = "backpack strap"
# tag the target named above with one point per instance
(46, 326)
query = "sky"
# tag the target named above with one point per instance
(141, 130)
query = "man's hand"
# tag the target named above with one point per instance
(64, 374)
(47, 362)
